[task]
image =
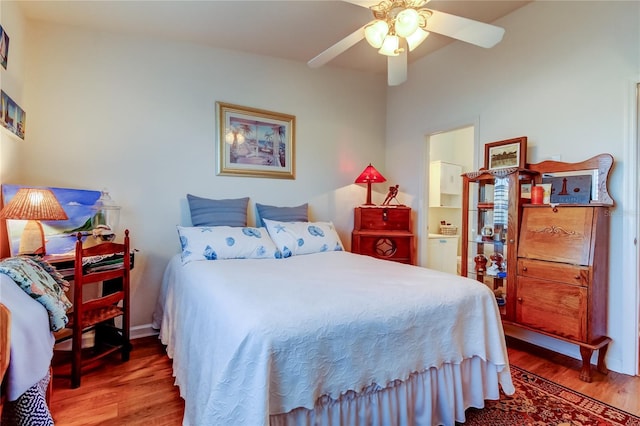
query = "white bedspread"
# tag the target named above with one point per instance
(254, 338)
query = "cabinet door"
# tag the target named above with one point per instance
(445, 184)
(562, 234)
(552, 307)
(389, 246)
(442, 254)
(450, 180)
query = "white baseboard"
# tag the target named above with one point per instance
(136, 332)
(144, 330)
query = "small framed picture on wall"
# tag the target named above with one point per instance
(506, 154)
(4, 47)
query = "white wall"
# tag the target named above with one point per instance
(137, 116)
(11, 81)
(563, 76)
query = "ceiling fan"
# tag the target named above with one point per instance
(401, 25)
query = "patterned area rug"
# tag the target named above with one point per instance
(539, 402)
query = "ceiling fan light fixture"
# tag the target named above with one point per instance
(375, 33)
(390, 46)
(423, 16)
(416, 4)
(416, 38)
(406, 22)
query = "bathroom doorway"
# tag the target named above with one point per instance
(450, 153)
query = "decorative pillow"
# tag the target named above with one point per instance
(296, 238)
(282, 214)
(208, 212)
(225, 242)
(38, 283)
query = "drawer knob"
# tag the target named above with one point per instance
(577, 277)
(519, 299)
(524, 268)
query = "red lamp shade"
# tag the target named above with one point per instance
(370, 175)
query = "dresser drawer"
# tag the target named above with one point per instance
(383, 218)
(570, 274)
(552, 307)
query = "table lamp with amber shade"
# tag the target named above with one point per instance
(33, 205)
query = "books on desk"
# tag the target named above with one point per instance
(65, 264)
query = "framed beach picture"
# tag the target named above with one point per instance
(60, 235)
(255, 142)
(4, 47)
(505, 154)
(12, 117)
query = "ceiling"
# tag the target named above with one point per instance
(295, 30)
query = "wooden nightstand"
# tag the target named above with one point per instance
(384, 232)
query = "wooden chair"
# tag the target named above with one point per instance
(102, 310)
(5, 348)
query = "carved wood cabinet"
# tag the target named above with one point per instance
(554, 270)
(562, 281)
(562, 277)
(384, 232)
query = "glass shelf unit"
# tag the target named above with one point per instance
(491, 211)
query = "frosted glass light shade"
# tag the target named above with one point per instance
(390, 46)
(416, 38)
(375, 33)
(406, 22)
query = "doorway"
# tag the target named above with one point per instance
(450, 153)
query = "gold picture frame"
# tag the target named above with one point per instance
(255, 142)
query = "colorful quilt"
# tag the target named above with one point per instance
(43, 283)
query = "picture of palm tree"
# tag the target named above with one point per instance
(255, 142)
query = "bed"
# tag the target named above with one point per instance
(27, 377)
(329, 338)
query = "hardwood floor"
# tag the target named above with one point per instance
(141, 391)
(137, 392)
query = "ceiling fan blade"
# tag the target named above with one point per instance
(397, 68)
(468, 30)
(337, 48)
(363, 3)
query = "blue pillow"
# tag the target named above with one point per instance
(282, 214)
(207, 212)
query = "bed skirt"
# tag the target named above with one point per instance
(434, 397)
(30, 409)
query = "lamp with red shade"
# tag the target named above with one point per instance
(33, 205)
(370, 175)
